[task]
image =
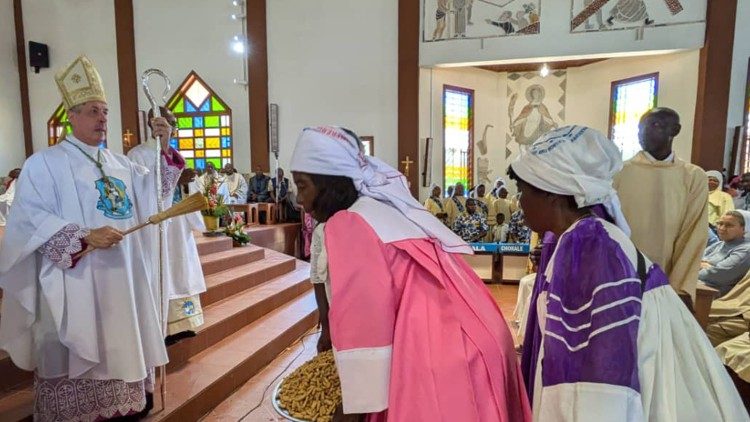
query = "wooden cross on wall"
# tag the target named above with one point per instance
(126, 137)
(407, 162)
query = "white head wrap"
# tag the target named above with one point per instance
(718, 176)
(333, 151)
(746, 216)
(576, 161)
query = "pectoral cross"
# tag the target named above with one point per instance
(126, 137)
(406, 164)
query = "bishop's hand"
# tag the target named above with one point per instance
(103, 237)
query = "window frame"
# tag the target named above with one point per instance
(613, 90)
(181, 93)
(470, 170)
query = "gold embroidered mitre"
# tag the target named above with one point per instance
(79, 83)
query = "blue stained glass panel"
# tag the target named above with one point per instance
(173, 143)
(206, 106)
(197, 122)
(225, 142)
(200, 163)
(189, 107)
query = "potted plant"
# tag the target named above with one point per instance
(236, 230)
(215, 208)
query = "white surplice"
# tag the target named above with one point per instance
(182, 272)
(99, 319)
(237, 187)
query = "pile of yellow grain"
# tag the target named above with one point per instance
(313, 391)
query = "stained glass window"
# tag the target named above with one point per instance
(57, 124)
(204, 124)
(630, 99)
(745, 157)
(458, 126)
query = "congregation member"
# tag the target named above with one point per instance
(500, 231)
(449, 193)
(735, 354)
(236, 185)
(503, 205)
(455, 205)
(730, 314)
(471, 225)
(181, 267)
(742, 201)
(6, 198)
(404, 282)
(664, 200)
(601, 301)
(280, 194)
(258, 187)
(212, 177)
(486, 203)
(89, 327)
(499, 183)
(518, 231)
(726, 262)
(719, 202)
(434, 204)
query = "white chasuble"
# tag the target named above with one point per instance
(98, 319)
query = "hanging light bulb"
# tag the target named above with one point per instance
(544, 71)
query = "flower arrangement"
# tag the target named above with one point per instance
(236, 231)
(215, 202)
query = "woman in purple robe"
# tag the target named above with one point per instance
(607, 337)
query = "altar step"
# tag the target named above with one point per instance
(257, 303)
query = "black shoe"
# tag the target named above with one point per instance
(175, 338)
(609, 20)
(648, 21)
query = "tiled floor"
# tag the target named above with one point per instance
(260, 388)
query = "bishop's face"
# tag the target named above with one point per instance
(89, 122)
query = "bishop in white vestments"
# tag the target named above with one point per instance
(88, 326)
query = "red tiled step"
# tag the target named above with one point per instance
(230, 315)
(17, 405)
(220, 261)
(208, 245)
(226, 283)
(206, 379)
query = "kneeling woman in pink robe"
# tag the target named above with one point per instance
(415, 333)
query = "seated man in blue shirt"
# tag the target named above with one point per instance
(726, 262)
(257, 187)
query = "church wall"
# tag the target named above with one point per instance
(738, 84)
(684, 30)
(71, 28)
(587, 96)
(11, 123)
(178, 36)
(589, 90)
(334, 62)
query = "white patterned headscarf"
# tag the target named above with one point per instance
(718, 176)
(577, 161)
(335, 151)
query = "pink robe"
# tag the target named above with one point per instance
(416, 334)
